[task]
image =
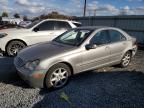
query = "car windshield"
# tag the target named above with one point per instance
(73, 37)
(33, 24)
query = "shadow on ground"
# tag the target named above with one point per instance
(122, 89)
(8, 73)
(7, 69)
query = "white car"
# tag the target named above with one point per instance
(13, 40)
(24, 23)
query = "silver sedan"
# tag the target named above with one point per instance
(77, 50)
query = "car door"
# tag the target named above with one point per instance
(43, 32)
(99, 56)
(118, 45)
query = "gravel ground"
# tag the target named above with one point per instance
(110, 87)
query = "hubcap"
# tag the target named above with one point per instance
(126, 59)
(59, 77)
(15, 48)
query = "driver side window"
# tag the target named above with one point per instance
(100, 38)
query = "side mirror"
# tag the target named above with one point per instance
(36, 29)
(91, 46)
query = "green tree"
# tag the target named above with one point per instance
(4, 14)
(54, 15)
(16, 15)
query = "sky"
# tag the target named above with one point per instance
(72, 7)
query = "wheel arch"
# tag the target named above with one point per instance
(130, 50)
(70, 66)
(15, 40)
(66, 63)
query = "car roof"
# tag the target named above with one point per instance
(75, 22)
(55, 19)
(60, 20)
(95, 27)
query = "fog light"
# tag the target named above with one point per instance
(38, 75)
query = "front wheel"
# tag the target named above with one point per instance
(126, 59)
(14, 47)
(57, 76)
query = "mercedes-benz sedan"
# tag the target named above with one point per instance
(77, 50)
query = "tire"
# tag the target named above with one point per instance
(126, 59)
(14, 47)
(57, 76)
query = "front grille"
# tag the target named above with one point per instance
(19, 62)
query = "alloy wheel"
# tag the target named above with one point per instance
(59, 77)
(14, 47)
(126, 59)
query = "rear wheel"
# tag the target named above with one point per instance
(14, 47)
(126, 59)
(57, 76)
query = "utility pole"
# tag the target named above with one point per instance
(85, 8)
(95, 12)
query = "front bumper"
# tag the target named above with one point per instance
(36, 82)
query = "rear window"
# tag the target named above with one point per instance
(60, 25)
(77, 24)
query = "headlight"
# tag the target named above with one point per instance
(3, 35)
(32, 65)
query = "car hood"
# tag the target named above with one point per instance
(14, 30)
(44, 50)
